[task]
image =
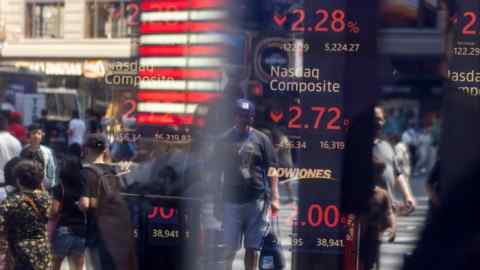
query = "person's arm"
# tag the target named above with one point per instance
(275, 194)
(391, 222)
(57, 194)
(55, 210)
(84, 204)
(402, 182)
(432, 194)
(18, 148)
(271, 161)
(404, 187)
(89, 191)
(85, 132)
(70, 129)
(51, 169)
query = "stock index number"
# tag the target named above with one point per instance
(165, 234)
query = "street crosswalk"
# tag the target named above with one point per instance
(408, 230)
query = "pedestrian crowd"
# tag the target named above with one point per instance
(55, 209)
(52, 210)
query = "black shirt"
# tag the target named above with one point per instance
(244, 159)
(70, 214)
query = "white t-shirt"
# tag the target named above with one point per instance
(10, 147)
(78, 129)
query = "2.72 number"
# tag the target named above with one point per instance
(332, 123)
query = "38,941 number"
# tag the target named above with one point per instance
(326, 242)
(160, 233)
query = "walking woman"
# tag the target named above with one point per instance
(70, 235)
(24, 215)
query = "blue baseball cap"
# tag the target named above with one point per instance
(245, 107)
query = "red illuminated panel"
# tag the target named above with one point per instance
(178, 74)
(181, 50)
(180, 27)
(173, 96)
(172, 5)
(164, 119)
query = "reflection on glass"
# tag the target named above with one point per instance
(45, 20)
(111, 19)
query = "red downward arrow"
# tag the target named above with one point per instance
(280, 20)
(276, 116)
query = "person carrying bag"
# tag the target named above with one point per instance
(271, 255)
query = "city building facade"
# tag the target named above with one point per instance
(74, 43)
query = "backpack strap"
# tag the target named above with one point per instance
(99, 173)
(103, 185)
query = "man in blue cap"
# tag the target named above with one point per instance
(243, 156)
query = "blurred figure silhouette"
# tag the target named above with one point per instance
(451, 240)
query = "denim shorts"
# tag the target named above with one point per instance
(247, 222)
(66, 243)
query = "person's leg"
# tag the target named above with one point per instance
(57, 262)
(61, 245)
(77, 253)
(256, 215)
(232, 231)
(251, 259)
(94, 256)
(78, 261)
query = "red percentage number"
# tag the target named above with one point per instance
(162, 212)
(134, 11)
(334, 113)
(131, 106)
(334, 21)
(471, 23)
(316, 216)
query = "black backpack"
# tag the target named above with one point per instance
(112, 218)
(109, 186)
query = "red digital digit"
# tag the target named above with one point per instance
(135, 11)
(310, 215)
(132, 107)
(296, 26)
(153, 214)
(333, 123)
(332, 211)
(320, 112)
(338, 22)
(297, 114)
(472, 21)
(323, 19)
(167, 216)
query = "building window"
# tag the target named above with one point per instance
(111, 18)
(44, 19)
